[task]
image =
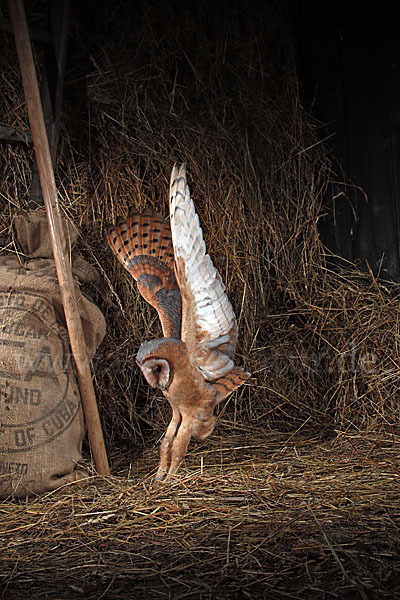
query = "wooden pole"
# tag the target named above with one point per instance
(64, 273)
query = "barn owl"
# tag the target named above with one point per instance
(192, 365)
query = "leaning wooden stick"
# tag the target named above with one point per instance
(64, 273)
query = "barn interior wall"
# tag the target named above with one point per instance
(349, 63)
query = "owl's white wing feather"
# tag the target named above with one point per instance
(209, 327)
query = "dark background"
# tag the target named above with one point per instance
(348, 56)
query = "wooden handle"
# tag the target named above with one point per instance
(64, 273)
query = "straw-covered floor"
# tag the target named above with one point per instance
(255, 516)
(296, 494)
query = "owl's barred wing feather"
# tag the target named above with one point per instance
(230, 382)
(209, 326)
(143, 245)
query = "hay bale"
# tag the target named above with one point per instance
(153, 85)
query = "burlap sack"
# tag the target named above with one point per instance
(41, 419)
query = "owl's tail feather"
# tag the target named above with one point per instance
(143, 245)
(229, 383)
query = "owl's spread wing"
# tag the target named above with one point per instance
(209, 327)
(143, 244)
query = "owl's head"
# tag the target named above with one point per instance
(157, 372)
(157, 359)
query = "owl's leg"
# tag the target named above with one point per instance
(179, 447)
(165, 449)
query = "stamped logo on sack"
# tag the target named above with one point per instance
(39, 399)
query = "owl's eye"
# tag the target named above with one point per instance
(157, 370)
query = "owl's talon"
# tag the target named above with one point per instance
(161, 473)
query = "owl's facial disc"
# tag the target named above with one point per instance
(157, 372)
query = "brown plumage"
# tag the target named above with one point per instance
(143, 245)
(192, 364)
